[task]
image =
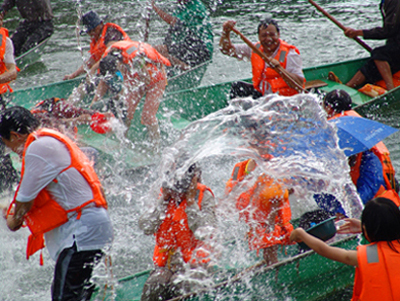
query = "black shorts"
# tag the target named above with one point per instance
(389, 53)
(72, 274)
(243, 89)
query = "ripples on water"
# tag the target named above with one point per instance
(319, 41)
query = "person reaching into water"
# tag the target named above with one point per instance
(37, 24)
(57, 113)
(265, 79)
(141, 69)
(59, 196)
(377, 274)
(384, 60)
(189, 41)
(182, 222)
(371, 171)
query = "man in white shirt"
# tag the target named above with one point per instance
(49, 166)
(265, 79)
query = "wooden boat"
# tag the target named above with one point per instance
(304, 276)
(31, 56)
(180, 106)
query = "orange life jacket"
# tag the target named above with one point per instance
(265, 76)
(3, 36)
(260, 202)
(381, 151)
(97, 47)
(174, 234)
(130, 49)
(377, 275)
(46, 214)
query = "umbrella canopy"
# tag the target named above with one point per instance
(357, 134)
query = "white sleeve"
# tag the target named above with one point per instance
(9, 55)
(45, 158)
(243, 51)
(294, 63)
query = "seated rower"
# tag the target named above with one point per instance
(265, 79)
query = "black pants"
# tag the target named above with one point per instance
(72, 274)
(29, 34)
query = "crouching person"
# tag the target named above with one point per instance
(183, 218)
(60, 199)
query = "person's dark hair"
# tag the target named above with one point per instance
(266, 22)
(17, 119)
(381, 219)
(338, 100)
(109, 63)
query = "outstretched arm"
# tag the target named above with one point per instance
(323, 249)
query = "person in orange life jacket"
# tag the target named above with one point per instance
(142, 72)
(377, 274)
(384, 60)
(265, 79)
(264, 206)
(371, 171)
(102, 36)
(183, 222)
(60, 196)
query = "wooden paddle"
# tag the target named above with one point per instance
(147, 23)
(357, 39)
(281, 71)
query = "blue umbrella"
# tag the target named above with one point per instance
(357, 134)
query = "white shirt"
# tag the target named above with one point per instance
(45, 158)
(9, 54)
(294, 64)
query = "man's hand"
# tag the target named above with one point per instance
(352, 33)
(297, 234)
(228, 26)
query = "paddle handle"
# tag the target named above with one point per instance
(329, 16)
(281, 71)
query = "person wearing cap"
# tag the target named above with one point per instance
(371, 171)
(102, 36)
(265, 79)
(264, 206)
(183, 222)
(189, 41)
(59, 197)
(36, 26)
(142, 71)
(384, 60)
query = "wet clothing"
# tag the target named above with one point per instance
(72, 274)
(184, 227)
(255, 206)
(377, 275)
(36, 26)
(190, 39)
(390, 31)
(50, 156)
(6, 57)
